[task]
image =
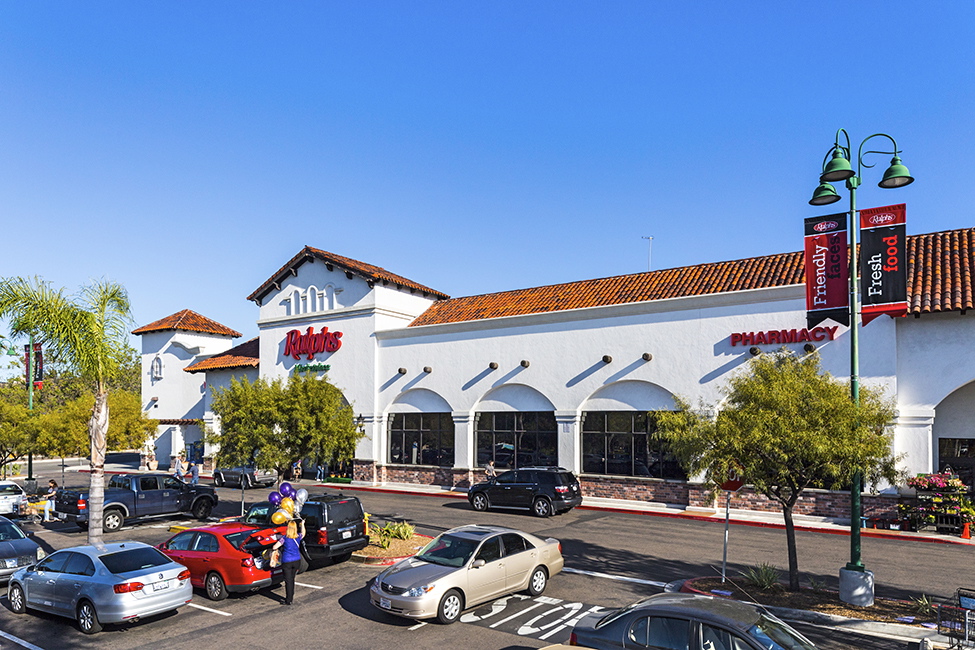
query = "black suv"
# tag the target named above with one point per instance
(543, 490)
(335, 526)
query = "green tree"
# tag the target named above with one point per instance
(15, 436)
(88, 332)
(276, 423)
(784, 427)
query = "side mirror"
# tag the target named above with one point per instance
(477, 564)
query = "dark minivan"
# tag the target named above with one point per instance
(335, 525)
(543, 490)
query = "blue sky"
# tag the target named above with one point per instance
(188, 150)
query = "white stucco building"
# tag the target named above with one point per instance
(567, 373)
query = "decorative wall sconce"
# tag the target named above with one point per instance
(402, 371)
(525, 363)
(755, 350)
(809, 347)
(493, 365)
(427, 369)
(647, 356)
(607, 359)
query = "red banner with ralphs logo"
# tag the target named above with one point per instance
(883, 262)
(827, 270)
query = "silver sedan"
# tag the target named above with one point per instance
(123, 581)
(464, 567)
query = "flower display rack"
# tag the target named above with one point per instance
(938, 502)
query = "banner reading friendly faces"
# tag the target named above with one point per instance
(827, 270)
(883, 262)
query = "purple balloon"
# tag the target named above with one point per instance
(286, 490)
(274, 498)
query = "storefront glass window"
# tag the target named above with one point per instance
(517, 439)
(958, 455)
(624, 443)
(421, 439)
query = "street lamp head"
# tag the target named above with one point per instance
(896, 175)
(838, 169)
(824, 195)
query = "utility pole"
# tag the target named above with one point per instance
(649, 252)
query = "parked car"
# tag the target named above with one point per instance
(137, 495)
(542, 490)
(464, 567)
(245, 476)
(687, 621)
(17, 549)
(13, 499)
(335, 526)
(120, 582)
(224, 558)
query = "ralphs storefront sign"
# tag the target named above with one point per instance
(311, 343)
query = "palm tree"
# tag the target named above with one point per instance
(88, 332)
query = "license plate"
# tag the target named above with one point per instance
(347, 534)
(159, 586)
(385, 604)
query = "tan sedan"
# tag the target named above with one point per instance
(464, 567)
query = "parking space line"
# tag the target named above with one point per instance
(417, 626)
(595, 574)
(302, 584)
(207, 609)
(20, 642)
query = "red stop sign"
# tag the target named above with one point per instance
(733, 484)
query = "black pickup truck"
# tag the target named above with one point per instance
(130, 496)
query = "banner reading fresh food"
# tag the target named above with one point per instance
(883, 262)
(827, 270)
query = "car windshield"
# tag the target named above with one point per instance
(8, 532)
(448, 550)
(10, 489)
(773, 634)
(134, 559)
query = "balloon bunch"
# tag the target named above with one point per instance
(289, 502)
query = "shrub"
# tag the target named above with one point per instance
(765, 576)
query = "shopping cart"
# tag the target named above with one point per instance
(34, 511)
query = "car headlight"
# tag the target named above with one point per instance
(416, 592)
(41, 554)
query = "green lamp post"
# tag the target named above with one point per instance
(856, 584)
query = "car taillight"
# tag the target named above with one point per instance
(561, 489)
(82, 504)
(247, 561)
(323, 536)
(560, 548)
(184, 575)
(573, 640)
(128, 587)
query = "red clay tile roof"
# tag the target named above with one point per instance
(245, 355)
(352, 267)
(940, 278)
(188, 321)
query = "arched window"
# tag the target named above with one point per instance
(156, 368)
(314, 299)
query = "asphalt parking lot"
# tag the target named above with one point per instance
(612, 559)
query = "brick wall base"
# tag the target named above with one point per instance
(814, 503)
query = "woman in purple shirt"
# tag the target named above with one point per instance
(291, 556)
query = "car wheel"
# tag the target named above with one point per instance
(538, 581)
(202, 509)
(479, 502)
(451, 605)
(215, 586)
(541, 507)
(218, 480)
(112, 520)
(88, 618)
(18, 603)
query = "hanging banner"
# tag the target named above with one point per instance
(36, 364)
(827, 270)
(883, 262)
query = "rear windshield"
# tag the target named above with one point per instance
(340, 512)
(10, 489)
(556, 478)
(134, 559)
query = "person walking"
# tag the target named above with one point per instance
(177, 466)
(290, 546)
(320, 471)
(194, 473)
(52, 490)
(489, 471)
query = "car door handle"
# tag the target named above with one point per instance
(51, 582)
(77, 585)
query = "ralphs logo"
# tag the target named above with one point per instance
(823, 226)
(880, 219)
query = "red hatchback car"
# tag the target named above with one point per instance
(224, 558)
